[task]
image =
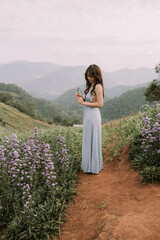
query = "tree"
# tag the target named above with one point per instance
(152, 92)
(6, 98)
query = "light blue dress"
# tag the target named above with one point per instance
(91, 146)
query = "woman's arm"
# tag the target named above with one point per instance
(90, 104)
(98, 103)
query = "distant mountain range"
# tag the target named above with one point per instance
(132, 77)
(22, 72)
(48, 80)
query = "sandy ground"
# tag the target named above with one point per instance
(113, 205)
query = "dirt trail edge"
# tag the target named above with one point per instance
(113, 205)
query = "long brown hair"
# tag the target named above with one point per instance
(95, 72)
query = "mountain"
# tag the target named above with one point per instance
(120, 89)
(62, 80)
(58, 81)
(132, 76)
(66, 78)
(22, 72)
(48, 80)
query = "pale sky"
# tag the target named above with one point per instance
(113, 34)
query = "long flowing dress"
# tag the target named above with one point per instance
(91, 146)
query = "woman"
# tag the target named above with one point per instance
(91, 147)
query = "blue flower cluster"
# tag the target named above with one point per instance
(151, 130)
(61, 154)
(27, 166)
(37, 181)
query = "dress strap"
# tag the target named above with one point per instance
(90, 89)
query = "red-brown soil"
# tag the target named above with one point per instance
(113, 205)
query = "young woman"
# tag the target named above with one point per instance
(92, 161)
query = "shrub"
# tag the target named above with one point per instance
(144, 150)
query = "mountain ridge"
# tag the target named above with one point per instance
(44, 78)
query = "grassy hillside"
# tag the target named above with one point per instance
(37, 108)
(11, 120)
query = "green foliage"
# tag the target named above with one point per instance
(152, 92)
(127, 104)
(142, 134)
(150, 174)
(41, 109)
(118, 133)
(144, 150)
(10, 99)
(6, 98)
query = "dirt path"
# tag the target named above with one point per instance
(113, 205)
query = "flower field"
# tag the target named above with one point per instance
(37, 181)
(38, 171)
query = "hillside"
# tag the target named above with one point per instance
(38, 108)
(120, 89)
(67, 111)
(128, 103)
(67, 98)
(13, 121)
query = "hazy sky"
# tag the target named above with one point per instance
(113, 34)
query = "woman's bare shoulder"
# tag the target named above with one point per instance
(98, 87)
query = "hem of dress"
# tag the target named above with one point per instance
(92, 172)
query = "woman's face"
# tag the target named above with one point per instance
(91, 79)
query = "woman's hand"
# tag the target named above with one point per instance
(78, 95)
(80, 100)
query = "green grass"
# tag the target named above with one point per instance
(13, 121)
(118, 133)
